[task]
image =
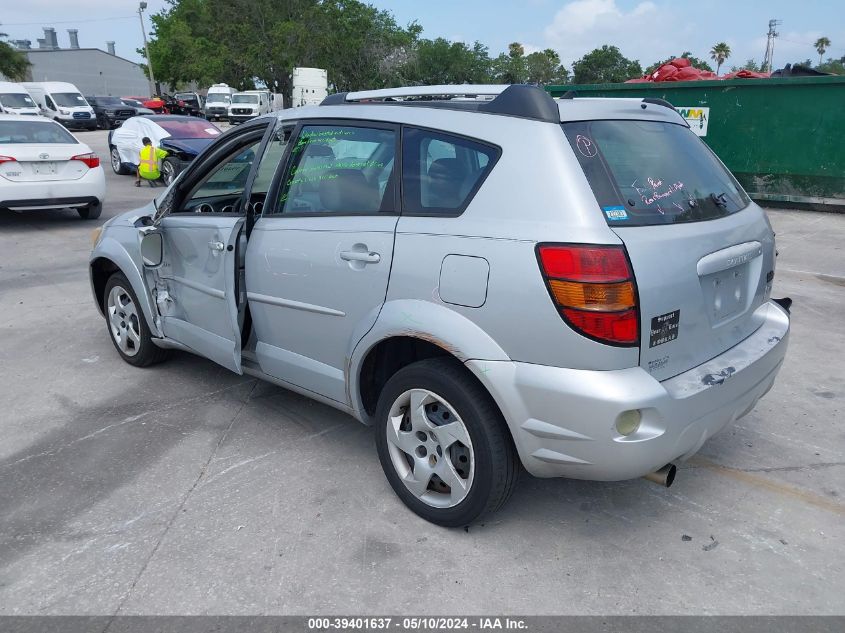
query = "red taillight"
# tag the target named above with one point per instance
(90, 159)
(593, 289)
(7, 159)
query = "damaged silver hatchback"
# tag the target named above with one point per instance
(487, 276)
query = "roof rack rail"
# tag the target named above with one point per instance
(524, 101)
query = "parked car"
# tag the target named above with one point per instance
(14, 99)
(578, 285)
(110, 111)
(156, 104)
(217, 101)
(248, 105)
(62, 102)
(137, 106)
(43, 166)
(182, 136)
(191, 103)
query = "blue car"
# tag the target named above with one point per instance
(183, 137)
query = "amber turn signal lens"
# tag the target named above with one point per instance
(603, 297)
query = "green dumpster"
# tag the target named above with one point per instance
(783, 138)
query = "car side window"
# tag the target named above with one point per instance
(49, 102)
(340, 170)
(274, 153)
(441, 172)
(221, 190)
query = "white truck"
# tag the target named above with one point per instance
(14, 99)
(310, 86)
(248, 105)
(62, 102)
(217, 102)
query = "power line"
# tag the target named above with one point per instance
(121, 17)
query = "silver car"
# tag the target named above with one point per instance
(487, 276)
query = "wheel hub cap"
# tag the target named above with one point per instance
(123, 321)
(430, 448)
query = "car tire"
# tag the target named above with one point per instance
(126, 325)
(116, 164)
(169, 170)
(91, 212)
(483, 461)
(92, 128)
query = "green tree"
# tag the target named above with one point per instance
(821, 45)
(694, 61)
(605, 65)
(835, 66)
(243, 42)
(750, 64)
(719, 53)
(439, 61)
(510, 68)
(544, 68)
(13, 64)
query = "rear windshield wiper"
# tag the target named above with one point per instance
(719, 199)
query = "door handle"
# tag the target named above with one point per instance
(358, 256)
(216, 246)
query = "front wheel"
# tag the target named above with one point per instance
(169, 170)
(127, 326)
(443, 443)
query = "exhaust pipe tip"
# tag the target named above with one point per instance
(665, 476)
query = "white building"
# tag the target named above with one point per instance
(93, 71)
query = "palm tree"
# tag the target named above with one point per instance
(719, 53)
(822, 44)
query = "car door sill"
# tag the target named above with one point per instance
(252, 369)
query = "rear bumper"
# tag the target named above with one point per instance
(23, 196)
(563, 420)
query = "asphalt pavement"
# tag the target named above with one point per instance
(186, 489)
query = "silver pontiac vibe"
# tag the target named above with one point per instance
(487, 276)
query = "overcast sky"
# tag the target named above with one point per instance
(645, 30)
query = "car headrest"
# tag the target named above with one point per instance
(445, 169)
(319, 149)
(348, 190)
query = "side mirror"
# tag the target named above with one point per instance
(152, 247)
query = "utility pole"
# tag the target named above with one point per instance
(141, 8)
(770, 45)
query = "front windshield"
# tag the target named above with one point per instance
(245, 99)
(189, 128)
(217, 97)
(188, 98)
(109, 101)
(16, 100)
(69, 99)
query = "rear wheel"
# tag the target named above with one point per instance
(91, 212)
(127, 326)
(443, 443)
(116, 164)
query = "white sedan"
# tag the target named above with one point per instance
(43, 166)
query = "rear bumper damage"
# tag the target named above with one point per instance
(564, 421)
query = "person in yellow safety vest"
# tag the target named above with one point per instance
(149, 166)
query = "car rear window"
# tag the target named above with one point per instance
(650, 172)
(15, 132)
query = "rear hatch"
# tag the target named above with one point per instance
(702, 254)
